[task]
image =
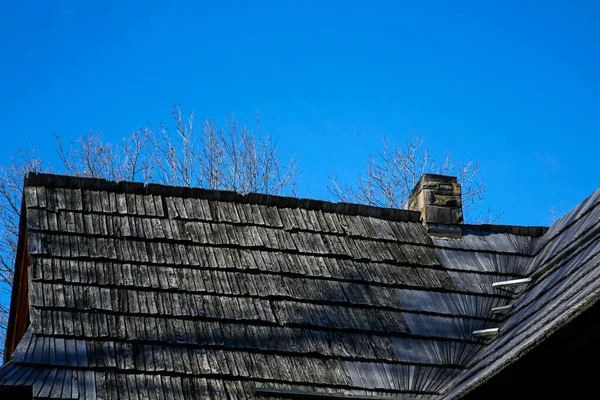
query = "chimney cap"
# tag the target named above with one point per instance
(438, 178)
(431, 178)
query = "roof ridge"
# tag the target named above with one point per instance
(394, 214)
(520, 230)
(73, 182)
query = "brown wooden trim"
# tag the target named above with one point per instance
(18, 319)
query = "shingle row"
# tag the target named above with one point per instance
(112, 244)
(74, 206)
(233, 335)
(105, 271)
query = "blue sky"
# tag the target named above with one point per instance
(512, 85)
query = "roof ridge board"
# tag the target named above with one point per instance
(65, 181)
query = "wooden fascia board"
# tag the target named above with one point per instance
(18, 319)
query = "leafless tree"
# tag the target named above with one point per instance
(231, 157)
(391, 174)
(90, 156)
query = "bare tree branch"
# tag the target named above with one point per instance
(391, 174)
(229, 157)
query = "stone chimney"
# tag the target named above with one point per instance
(438, 199)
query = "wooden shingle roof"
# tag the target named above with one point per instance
(154, 292)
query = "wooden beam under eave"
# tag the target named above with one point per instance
(18, 319)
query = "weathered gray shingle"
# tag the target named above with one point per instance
(152, 292)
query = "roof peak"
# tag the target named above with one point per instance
(73, 182)
(393, 214)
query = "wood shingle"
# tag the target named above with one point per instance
(153, 292)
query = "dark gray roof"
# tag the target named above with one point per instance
(144, 292)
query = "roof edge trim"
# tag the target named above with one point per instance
(533, 231)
